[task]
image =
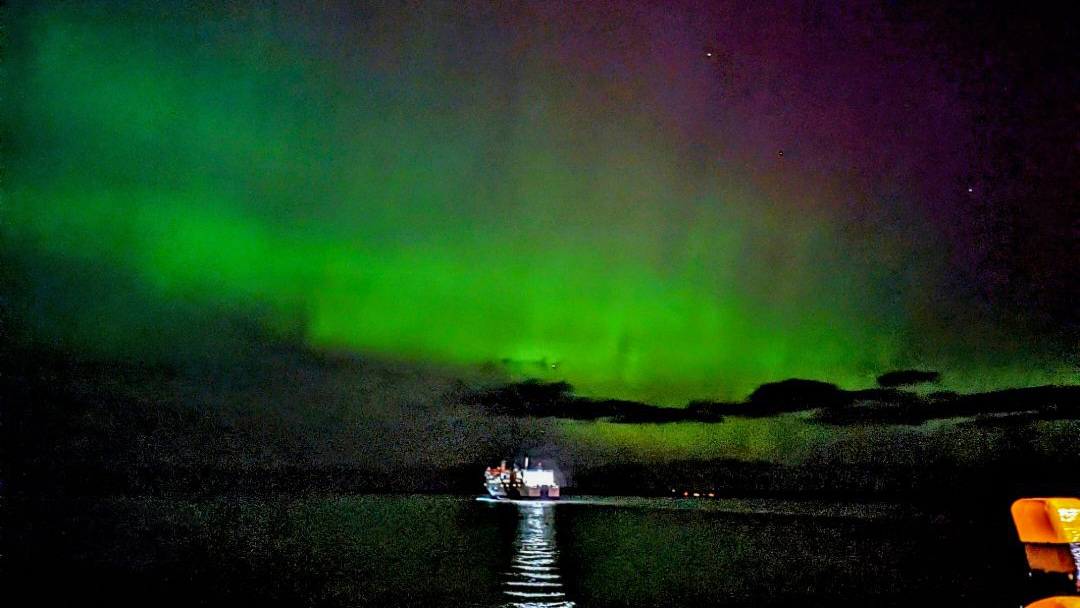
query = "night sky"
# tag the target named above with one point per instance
(651, 201)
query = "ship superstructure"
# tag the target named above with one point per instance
(526, 482)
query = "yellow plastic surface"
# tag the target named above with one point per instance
(1047, 520)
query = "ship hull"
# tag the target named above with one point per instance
(523, 493)
(539, 493)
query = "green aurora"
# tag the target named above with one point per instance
(470, 206)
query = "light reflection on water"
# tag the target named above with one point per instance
(533, 580)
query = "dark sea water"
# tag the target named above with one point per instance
(461, 551)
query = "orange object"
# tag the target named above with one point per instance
(1049, 558)
(1047, 520)
(1057, 602)
(1047, 526)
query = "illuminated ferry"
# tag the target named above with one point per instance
(512, 482)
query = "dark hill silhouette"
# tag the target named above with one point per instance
(836, 406)
(795, 395)
(1005, 406)
(539, 399)
(831, 405)
(774, 398)
(798, 395)
(907, 377)
(530, 398)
